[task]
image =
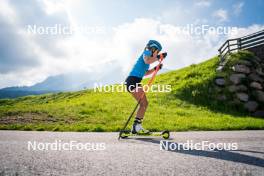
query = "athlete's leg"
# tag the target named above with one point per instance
(137, 94)
(140, 96)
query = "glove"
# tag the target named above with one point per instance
(160, 67)
(163, 54)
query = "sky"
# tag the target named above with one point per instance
(108, 36)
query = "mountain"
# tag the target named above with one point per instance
(66, 82)
(58, 83)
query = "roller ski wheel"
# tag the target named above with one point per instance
(165, 134)
(124, 134)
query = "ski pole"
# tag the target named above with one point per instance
(149, 83)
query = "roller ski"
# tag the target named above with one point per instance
(127, 133)
(138, 130)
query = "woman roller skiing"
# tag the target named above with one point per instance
(139, 70)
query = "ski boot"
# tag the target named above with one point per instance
(137, 127)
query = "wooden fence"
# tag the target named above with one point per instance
(246, 42)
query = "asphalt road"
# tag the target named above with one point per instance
(105, 155)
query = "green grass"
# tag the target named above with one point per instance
(191, 105)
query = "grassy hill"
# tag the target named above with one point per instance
(191, 105)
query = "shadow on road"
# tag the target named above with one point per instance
(217, 154)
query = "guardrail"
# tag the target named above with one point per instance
(246, 42)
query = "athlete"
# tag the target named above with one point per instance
(141, 69)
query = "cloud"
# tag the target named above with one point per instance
(237, 8)
(28, 59)
(14, 50)
(221, 15)
(243, 31)
(203, 3)
(19, 51)
(31, 12)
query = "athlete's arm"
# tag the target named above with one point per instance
(152, 70)
(149, 72)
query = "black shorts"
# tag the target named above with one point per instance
(132, 82)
